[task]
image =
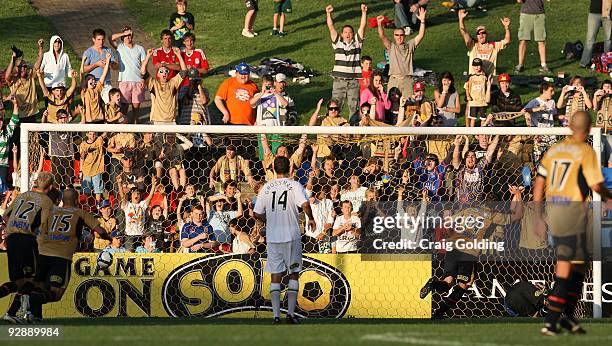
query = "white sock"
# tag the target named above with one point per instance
(292, 292)
(543, 64)
(275, 297)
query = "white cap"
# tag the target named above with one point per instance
(280, 77)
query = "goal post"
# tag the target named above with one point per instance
(33, 136)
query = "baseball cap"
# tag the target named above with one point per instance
(117, 234)
(58, 85)
(480, 28)
(243, 68)
(419, 86)
(104, 204)
(504, 77)
(280, 78)
(477, 62)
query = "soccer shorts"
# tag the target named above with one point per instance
(281, 6)
(478, 113)
(460, 266)
(53, 271)
(22, 254)
(571, 248)
(252, 5)
(283, 257)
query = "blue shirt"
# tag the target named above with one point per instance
(191, 230)
(130, 61)
(116, 250)
(431, 180)
(92, 56)
(142, 249)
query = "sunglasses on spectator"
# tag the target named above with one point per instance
(399, 35)
(481, 33)
(163, 71)
(333, 108)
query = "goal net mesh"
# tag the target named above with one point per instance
(338, 279)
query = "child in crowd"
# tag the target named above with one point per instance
(280, 8)
(91, 111)
(478, 94)
(108, 222)
(112, 110)
(181, 23)
(59, 98)
(366, 72)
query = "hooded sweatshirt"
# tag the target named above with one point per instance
(55, 71)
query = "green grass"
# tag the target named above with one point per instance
(218, 28)
(252, 332)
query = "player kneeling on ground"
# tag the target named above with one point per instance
(525, 299)
(566, 172)
(56, 244)
(277, 205)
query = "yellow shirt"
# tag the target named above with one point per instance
(487, 52)
(124, 140)
(92, 157)
(65, 228)
(109, 226)
(28, 213)
(91, 103)
(25, 92)
(164, 98)
(55, 104)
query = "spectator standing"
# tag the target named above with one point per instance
(92, 111)
(347, 227)
(181, 23)
(401, 54)
(407, 14)
(157, 226)
(193, 105)
(447, 99)
(355, 193)
(280, 8)
(23, 85)
(108, 222)
(55, 64)
(234, 96)
(164, 56)
(194, 59)
(573, 98)
(61, 151)
(94, 59)
(600, 12)
(6, 132)
(288, 112)
(471, 173)
(268, 104)
(532, 23)
(131, 83)
(366, 72)
(91, 151)
(135, 211)
(219, 216)
(318, 239)
(58, 99)
(249, 18)
(197, 235)
(164, 89)
(478, 94)
(480, 47)
(347, 57)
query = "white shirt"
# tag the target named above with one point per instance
(355, 197)
(241, 244)
(55, 71)
(135, 217)
(279, 200)
(347, 241)
(322, 212)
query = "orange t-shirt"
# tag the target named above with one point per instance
(237, 97)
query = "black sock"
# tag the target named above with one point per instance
(26, 288)
(557, 301)
(574, 293)
(7, 288)
(440, 286)
(37, 299)
(451, 301)
(15, 305)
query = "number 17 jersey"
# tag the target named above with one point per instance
(279, 200)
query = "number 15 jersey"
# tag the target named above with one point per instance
(65, 226)
(279, 200)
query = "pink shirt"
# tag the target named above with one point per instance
(382, 103)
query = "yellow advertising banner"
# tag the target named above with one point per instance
(202, 285)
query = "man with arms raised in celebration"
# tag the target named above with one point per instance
(565, 175)
(277, 205)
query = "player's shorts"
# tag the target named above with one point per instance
(54, 271)
(132, 92)
(460, 266)
(281, 6)
(571, 248)
(532, 25)
(478, 112)
(22, 254)
(93, 184)
(283, 257)
(252, 5)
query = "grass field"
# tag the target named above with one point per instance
(218, 28)
(255, 332)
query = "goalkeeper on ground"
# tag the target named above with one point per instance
(525, 299)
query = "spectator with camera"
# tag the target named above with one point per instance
(602, 104)
(131, 83)
(288, 112)
(194, 59)
(22, 84)
(573, 98)
(268, 104)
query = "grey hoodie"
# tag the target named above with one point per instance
(55, 71)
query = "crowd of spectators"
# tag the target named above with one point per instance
(196, 192)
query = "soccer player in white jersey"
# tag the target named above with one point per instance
(277, 205)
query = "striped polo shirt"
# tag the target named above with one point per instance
(347, 58)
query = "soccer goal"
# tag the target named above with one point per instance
(365, 274)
